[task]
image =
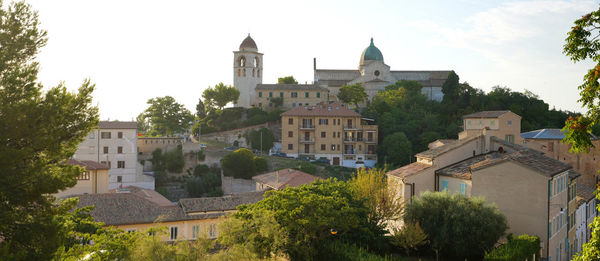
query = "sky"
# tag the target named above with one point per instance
(137, 50)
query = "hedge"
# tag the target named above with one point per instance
(520, 248)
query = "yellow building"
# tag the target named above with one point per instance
(136, 209)
(93, 181)
(331, 131)
(291, 95)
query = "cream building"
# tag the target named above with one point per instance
(114, 144)
(135, 209)
(93, 180)
(292, 95)
(502, 124)
(331, 131)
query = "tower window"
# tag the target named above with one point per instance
(244, 72)
(239, 72)
(242, 61)
(258, 73)
(256, 62)
(376, 73)
(253, 73)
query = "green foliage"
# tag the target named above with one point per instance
(163, 191)
(287, 80)
(302, 220)
(200, 170)
(524, 247)
(457, 226)
(40, 131)
(166, 117)
(260, 164)
(381, 197)
(410, 237)
(173, 160)
(205, 182)
(267, 139)
(352, 94)
(239, 164)
(306, 167)
(219, 96)
(338, 250)
(396, 149)
(277, 101)
(200, 109)
(591, 249)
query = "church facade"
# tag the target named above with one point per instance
(372, 73)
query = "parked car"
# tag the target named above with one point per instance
(231, 148)
(203, 146)
(279, 154)
(321, 160)
(307, 158)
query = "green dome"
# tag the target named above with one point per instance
(371, 53)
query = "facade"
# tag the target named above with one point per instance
(331, 131)
(549, 141)
(247, 71)
(584, 216)
(373, 74)
(502, 124)
(135, 209)
(114, 144)
(281, 179)
(93, 181)
(146, 145)
(292, 95)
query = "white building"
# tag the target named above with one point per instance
(114, 144)
(584, 216)
(247, 71)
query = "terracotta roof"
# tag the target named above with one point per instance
(229, 202)
(485, 114)
(88, 164)
(409, 170)
(585, 192)
(118, 125)
(322, 109)
(308, 87)
(437, 151)
(533, 159)
(284, 178)
(573, 174)
(147, 194)
(462, 169)
(441, 142)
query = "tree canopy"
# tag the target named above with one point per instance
(352, 94)
(166, 117)
(287, 80)
(261, 139)
(220, 96)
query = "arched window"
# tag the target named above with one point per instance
(253, 73)
(244, 72)
(242, 61)
(239, 72)
(258, 73)
(256, 62)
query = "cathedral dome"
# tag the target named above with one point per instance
(371, 53)
(248, 44)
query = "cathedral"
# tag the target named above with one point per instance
(372, 73)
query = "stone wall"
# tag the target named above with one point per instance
(231, 136)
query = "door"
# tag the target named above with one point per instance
(306, 148)
(336, 161)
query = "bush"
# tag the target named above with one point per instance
(306, 167)
(239, 164)
(206, 184)
(338, 250)
(201, 169)
(521, 248)
(260, 164)
(267, 139)
(163, 191)
(173, 161)
(160, 178)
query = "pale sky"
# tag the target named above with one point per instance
(137, 50)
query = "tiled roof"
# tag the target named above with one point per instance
(573, 174)
(308, 87)
(88, 164)
(118, 125)
(532, 159)
(432, 153)
(585, 192)
(485, 114)
(285, 177)
(462, 169)
(408, 170)
(322, 109)
(147, 194)
(229, 202)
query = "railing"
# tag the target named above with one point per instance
(349, 140)
(349, 152)
(307, 140)
(370, 140)
(355, 127)
(306, 126)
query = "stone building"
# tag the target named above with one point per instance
(331, 131)
(292, 95)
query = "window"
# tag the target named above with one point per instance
(463, 189)
(333, 134)
(107, 163)
(260, 104)
(195, 231)
(119, 178)
(492, 122)
(270, 94)
(260, 94)
(120, 134)
(173, 234)
(212, 231)
(549, 228)
(323, 134)
(323, 147)
(290, 134)
(105, 150)
(121, 164)
(444, 185)
(291, 121)
(290, 146)
(323, 121)
(294, 104)
(294, 94)
(306, 94)
(318, 95)
(120, 150)
(244, 72)
(509, 123)
(92, 135)
(510, 138)
(281, 94)
(105, 135)
(333, 147)
(84, 176)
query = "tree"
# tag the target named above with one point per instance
(396, 149)
(352, 94)
(33, 163)
(142, 124)
(457, 226)
(581, 44)
(287, 80)
(200, 109)
(239, 164)
(277, 101)
(381, 197)
(261, 139)
(167, 117)
(220, 95)
(410, 237)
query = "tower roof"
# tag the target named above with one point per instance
(371, 53)
(248, 44)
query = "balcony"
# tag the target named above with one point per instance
(349, 152)
(307, 140)
(371, 140)
(349, 140)
(352, 127)
(306, 127)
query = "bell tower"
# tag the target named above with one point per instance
(247, 71)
